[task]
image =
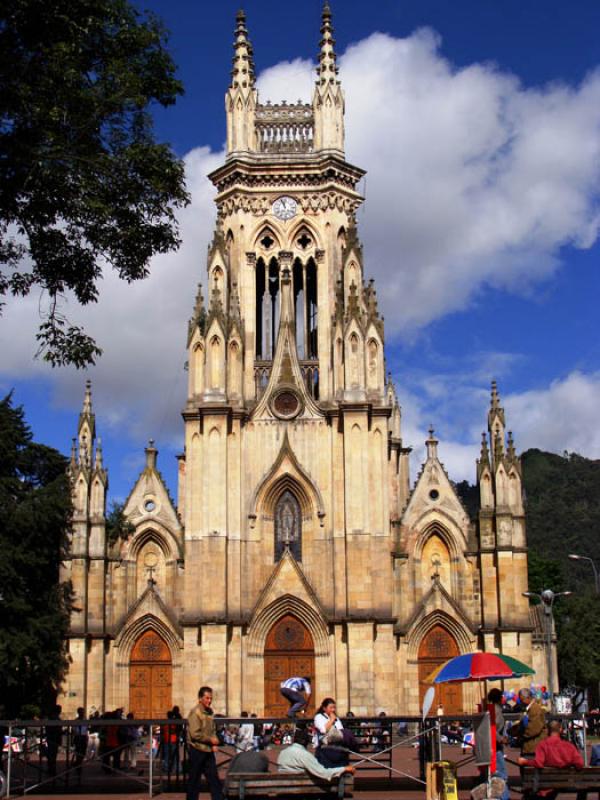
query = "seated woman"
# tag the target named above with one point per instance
(331, 740)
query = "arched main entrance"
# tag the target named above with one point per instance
(150, 677)
(289, 651)
(437, 647)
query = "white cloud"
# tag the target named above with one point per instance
(563, 416)
(473, 180)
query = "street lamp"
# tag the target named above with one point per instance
(547, 597)
(575, 557)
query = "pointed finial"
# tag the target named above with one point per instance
(327, 68)
(98, 458)
(495, 401)
(431, 443)
(242, 74)
(151, 455)
(73, 461)
(484, 456)
(87, 399)
(84, 455)
(510, 451)
(234, 303)
(498, 448)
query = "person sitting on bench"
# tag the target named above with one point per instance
(296, 758)
(556, 752)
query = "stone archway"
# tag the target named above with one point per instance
(289, 651)
(150, 677)
(436, 647)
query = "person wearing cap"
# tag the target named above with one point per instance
(296, 758)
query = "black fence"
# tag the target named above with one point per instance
(127, 755)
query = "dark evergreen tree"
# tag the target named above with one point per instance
(83, 183)
(35, 514)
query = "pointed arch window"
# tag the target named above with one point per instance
(288, 526)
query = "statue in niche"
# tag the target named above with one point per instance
(288, 526)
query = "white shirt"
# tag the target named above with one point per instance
(320, 722)
(296, 758)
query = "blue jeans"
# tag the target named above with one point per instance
(502, 772)
(297, 700)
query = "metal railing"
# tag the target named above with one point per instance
(103, 754)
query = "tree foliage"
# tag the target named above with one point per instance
(83, 183)
(35, 514)
(117, 525)
(579, 640)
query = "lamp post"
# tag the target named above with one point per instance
(576, 557)
(547, 597)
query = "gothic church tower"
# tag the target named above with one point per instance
(297, 546)
(292, 470)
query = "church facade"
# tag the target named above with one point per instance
(297, 545)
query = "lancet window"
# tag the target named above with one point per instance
(268, 303)
(288, 526)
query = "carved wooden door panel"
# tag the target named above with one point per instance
(150, 677)
(436, 648)
(289, 652)
(140, 690)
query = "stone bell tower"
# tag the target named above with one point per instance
(293, 464)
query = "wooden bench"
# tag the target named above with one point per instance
(568, 780)
(280, 784)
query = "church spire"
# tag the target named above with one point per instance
(242, 74)
(328, 97)
(496, 424)
(327, 69)
(87, 423)
(241, 97)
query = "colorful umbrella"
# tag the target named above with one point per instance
(479, 667)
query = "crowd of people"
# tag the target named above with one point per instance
(320, 746)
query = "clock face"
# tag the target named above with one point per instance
(285, 207)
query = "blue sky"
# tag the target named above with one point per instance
(479, 124)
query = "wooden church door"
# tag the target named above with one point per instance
(289, 651)
(150, 677)
(437, 647)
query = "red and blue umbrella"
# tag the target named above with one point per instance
(479, 667)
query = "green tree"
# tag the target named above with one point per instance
(83, 183)
(579, 641)
(35, 514)
(117, 524)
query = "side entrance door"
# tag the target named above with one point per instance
(150, 677)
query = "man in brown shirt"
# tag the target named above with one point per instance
(532, 727)
(202, 744)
